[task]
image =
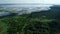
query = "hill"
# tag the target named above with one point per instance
(43, 22)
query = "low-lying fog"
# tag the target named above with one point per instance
(22, 9)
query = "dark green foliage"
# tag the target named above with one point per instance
(44, 22)
(27, 25)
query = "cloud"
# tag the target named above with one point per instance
(25, 9)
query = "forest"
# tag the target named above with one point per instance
(43, 22)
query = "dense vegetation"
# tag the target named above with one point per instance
(44, 22)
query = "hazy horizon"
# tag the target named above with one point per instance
(56, 2)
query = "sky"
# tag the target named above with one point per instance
(31, 1)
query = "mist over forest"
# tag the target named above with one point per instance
(29, 19)
(22, 9)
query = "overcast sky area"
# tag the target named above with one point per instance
(31, 1)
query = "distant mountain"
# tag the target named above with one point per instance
(25, 3)
(54, 13)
